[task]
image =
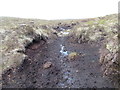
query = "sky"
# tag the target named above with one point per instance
(58, 9)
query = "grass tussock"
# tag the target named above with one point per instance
(96, 29)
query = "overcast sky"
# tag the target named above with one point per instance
(58, 9)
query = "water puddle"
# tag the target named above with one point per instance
(64, 33)
(63, 51)
(67, 78)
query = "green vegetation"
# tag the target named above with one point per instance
(96, 29)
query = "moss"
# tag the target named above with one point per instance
(90, 22)
(102, 21)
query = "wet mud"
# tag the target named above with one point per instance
(82, 72)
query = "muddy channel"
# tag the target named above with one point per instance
(82, 72)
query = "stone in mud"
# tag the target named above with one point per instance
(72, 55)
(47, 65)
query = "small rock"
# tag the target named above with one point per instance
(47, 65)
(72, 55)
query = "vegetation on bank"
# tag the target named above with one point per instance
(14, 39)
(103, 29)
(96, 29)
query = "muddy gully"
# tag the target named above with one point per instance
(82, 72)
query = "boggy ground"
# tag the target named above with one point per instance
(82, 72)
